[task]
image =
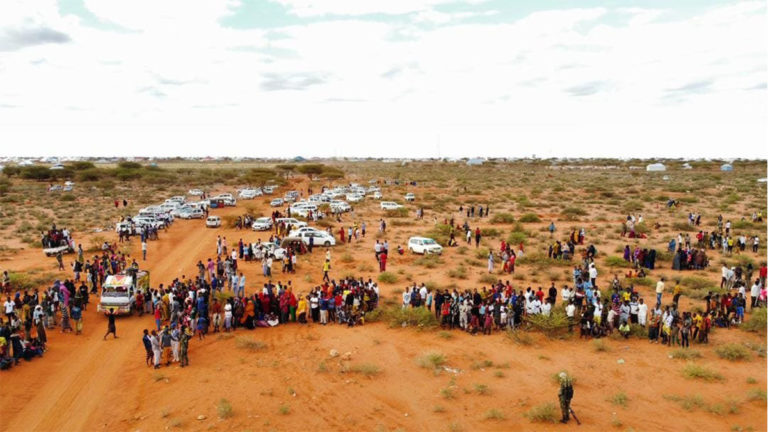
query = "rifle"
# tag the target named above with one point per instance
(574, 416)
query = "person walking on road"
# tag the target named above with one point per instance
(144, 250)
(111, 324)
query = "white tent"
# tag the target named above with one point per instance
(726, 167)
(475, 161)
(687, 166)
(656, 167)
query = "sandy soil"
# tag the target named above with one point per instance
(84, 383)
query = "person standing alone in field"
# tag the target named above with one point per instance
(565, 394)
(144, 250)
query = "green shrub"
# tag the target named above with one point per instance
(493, 414)
(67, 197)
(432, 360)
(694, 371)
(429, 261)
(616, 261)
(732, 352)
(250, 344)
(459, 272)
(367, 369)
(502, 218)
(488, 278)
(620, 399)
(224, 408)
(387, 277)
(599, 346)
(544, 413)
(554, 325)
(530, 218)
(573, 213)
(519, 337)
(756, 321)
(396, 316)
(685, 354)
(757, 395)
(400, 212)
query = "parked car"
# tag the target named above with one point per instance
(213, 222)
(267, 249)
(192, 213)
(296, 232)
(262, 224)
(178, 199)
(249, 193)
(424, 245)
(340, 206)
(376, 195)
(410, 196)
(321, 238)
(354, 197)
(195, 192)
(277, 202)
(227, 200)
(292, 221)
(390, 205)
(269, 190)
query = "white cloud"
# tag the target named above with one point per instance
(568, 82)
(307, 8)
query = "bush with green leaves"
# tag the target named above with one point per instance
(387, 277)
(502, 218)
(544, 413)
(530, 218)
(732, 352)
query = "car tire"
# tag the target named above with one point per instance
(327, 243)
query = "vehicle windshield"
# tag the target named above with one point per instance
(429, 242)
(116, 291)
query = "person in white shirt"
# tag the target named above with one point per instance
(406, 298)
(9, 305)
(642, 312)
(565, 294)
(659, 290)
(546, 308)
(592, 273)
(423, 294)
(754, 292)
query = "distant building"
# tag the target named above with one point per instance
(656, 167)
(475, 161)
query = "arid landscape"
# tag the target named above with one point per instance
(392, 376)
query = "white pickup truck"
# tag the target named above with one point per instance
(119, 292)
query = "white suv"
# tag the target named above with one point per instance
(410, 196)
(262, 224)
(390, 205)
(424, 245)
(322, 238)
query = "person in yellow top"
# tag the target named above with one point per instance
(677, 291)
(326, 269)
(301, 309)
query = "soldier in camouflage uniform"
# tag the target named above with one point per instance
(565, 394)
(184, 345)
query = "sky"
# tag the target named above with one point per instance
(384, 78)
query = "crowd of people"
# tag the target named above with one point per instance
(192, 308)
(29, 314)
